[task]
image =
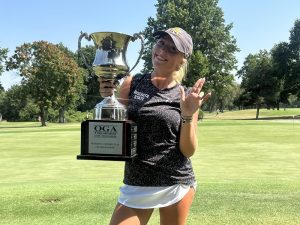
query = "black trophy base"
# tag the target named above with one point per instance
(106, 157)
(108, 140)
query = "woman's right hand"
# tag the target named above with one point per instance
(107, 87)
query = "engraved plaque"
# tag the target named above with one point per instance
(108, 140)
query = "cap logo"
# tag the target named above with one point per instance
(175, 30)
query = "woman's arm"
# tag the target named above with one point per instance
(107, 88)
(124, 90)
(188, 141)
(190, 105)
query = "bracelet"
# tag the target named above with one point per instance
(186, 119)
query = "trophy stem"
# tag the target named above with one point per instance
(110, 109)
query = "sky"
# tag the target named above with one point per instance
(257, 24)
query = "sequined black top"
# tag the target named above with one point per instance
(157, 114)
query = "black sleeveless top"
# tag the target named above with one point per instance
(157, 114)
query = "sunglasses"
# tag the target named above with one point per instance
(162, 44)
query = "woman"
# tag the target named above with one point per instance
(161, 176)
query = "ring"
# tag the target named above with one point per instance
(201, 94)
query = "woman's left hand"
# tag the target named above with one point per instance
(190, 103)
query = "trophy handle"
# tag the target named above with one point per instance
(86, 36)
(134, 37)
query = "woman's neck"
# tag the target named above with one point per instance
(162, 81)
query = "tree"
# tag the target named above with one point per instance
(1, 88)
(91, 94)
(229, 97)
(258, 82)
(281, 58)
(3, 56)
(12, 102)
(50, 76)
(214, 46)
(293, 81)
(69, 100)
(286, 65)
(292, 99)
(2, 93)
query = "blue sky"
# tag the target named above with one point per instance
(257, 24)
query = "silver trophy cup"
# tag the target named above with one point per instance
(110, 136)
(110, 63)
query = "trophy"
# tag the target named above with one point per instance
(109, 136)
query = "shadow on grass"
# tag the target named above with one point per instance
(297, 117)
(19, 126)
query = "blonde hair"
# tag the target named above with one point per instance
(180, 74)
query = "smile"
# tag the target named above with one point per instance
(159, 58)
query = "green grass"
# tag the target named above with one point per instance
(251, 114)
(248, 172)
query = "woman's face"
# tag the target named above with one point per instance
(165, 56)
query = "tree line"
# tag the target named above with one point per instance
(56, 84)
(271, 78)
